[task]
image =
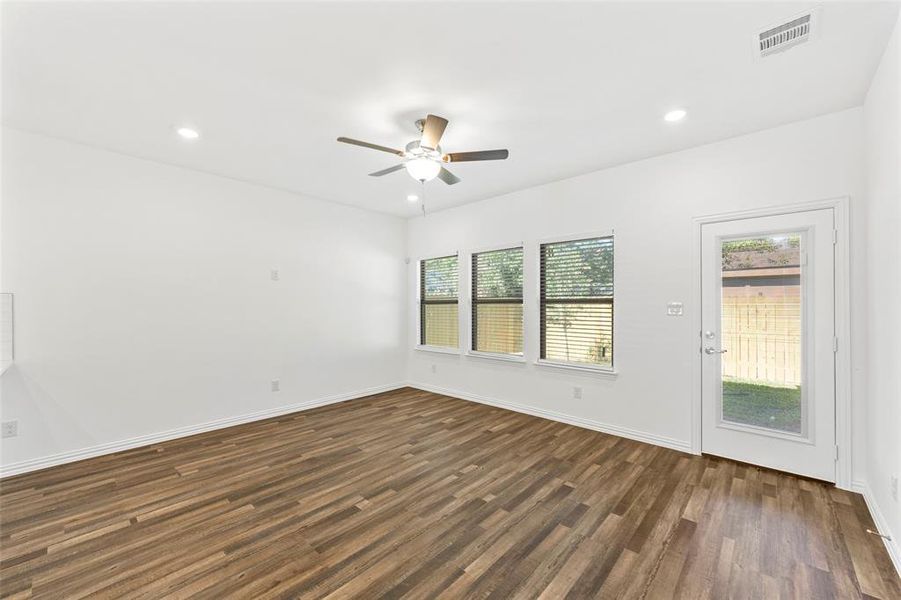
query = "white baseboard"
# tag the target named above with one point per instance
(632, 434)
(891, 545)
(53, 460)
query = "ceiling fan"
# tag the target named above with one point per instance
(423, 158)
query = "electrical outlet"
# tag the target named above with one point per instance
(894, 487)
(276, 385)
(273, 274)
(10, 429)
(434, 368)
(577, 393)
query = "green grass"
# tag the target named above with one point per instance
(762, 405)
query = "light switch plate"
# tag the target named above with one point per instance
(674, 309)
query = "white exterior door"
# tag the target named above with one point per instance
(767, 341)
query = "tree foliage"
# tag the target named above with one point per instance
(441, 277)
(499, 274)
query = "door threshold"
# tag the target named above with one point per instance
(762, 468)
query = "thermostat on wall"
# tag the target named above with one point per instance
(674, 309)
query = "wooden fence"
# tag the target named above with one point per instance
(763, 339)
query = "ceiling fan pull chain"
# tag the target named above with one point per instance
(422, 195)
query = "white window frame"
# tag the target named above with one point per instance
(470, 351)
(568, 365)
(418, 275)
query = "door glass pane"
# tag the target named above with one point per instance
(761, 332)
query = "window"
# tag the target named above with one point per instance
(577, 302)
(497, 301)
(438, 323)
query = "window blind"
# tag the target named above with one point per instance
(576, 299)
(497, 301)
(438, 282)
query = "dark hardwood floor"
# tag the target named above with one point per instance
(415, 495)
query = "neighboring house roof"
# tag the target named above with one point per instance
(761, 263)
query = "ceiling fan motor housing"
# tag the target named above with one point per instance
(415, 150)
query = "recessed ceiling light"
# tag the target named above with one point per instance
(675, 115)
(188, 133)
(412, 197)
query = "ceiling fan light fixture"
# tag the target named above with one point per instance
(422, 169)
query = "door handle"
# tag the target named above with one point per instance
(712, 350)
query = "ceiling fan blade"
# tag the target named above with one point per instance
(368, 145)
(471, 156)
(388, 170)
(432, 131)
(448, 177)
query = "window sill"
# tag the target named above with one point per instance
(438, 349)
(597, 370)
(514, 358)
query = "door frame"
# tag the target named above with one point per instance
(840, 206)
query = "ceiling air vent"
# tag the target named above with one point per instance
(785, 35)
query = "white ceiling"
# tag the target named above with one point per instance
(567, 87)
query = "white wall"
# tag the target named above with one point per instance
(650, 205)
(144, 301)
(883, 184)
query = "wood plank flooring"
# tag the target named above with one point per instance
(415, 495)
